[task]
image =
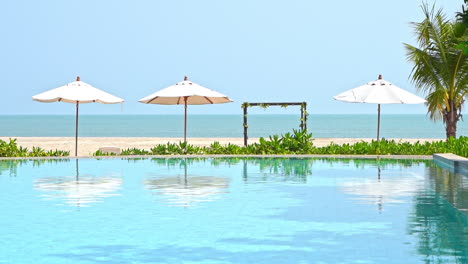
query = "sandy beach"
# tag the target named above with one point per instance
(88, 145)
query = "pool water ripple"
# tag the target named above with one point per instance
(232, 210)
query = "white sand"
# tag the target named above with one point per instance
(88, 145)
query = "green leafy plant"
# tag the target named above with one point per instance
(264, 106)
(101, 153)
(132, 151)
(301, 142)
(11, 149)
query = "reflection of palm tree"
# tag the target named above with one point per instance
(440, 228)
(78, 190)
(452, 186)
(186, 190)
(439, 219)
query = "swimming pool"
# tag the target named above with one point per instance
(231, 210)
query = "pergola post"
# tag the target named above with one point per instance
(304, 115)
(245, 125)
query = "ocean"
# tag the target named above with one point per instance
(321, 126)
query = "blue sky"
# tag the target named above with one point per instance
(255, 51)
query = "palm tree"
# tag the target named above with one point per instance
(440, 68)
(463, 15)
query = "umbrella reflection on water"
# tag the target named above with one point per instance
(383, 190)
(187, 190)
(80, 191)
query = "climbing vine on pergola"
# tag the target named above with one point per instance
(304, 114)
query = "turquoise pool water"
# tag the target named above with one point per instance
(231, 211)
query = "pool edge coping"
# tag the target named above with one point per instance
(410, 157)
(452, 162)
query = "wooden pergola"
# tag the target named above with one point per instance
(304, 114)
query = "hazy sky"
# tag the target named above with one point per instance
(250, 50)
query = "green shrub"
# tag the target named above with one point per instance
(101, 153)
(11, 149)
(301, 142)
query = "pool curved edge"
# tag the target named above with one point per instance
(413, 157)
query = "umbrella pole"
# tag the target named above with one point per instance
(185, 120)
(77, 170)
(76, 130)
(378, 122)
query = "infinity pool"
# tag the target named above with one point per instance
(231, 210)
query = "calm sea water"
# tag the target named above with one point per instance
(327, 126)
(231, 211)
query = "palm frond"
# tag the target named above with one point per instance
(440, 70)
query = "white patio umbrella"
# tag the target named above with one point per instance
(186, 93)
(379, 92)
(77, 92)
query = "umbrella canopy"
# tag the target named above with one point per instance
(77, 92)
(185, 93)
(176, 94)
(379, 92)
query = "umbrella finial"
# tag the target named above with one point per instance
(186, 78)
(78, 78)
(380, 77)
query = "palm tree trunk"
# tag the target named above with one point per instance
(451, 129)
(451, 120)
